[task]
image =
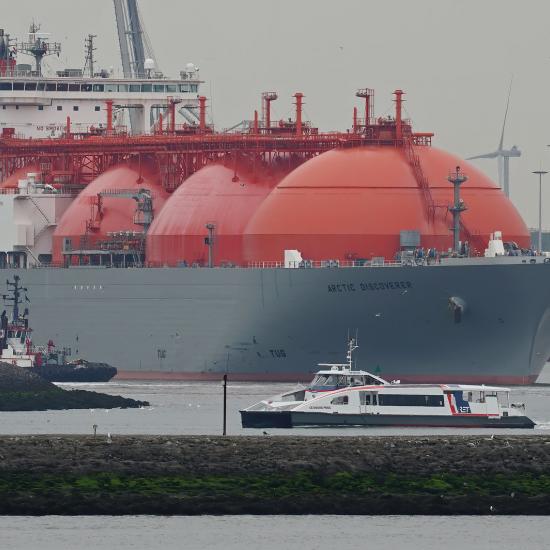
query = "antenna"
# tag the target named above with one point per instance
(457, 178)
(209, 241)
(15, 290)
(38, 46)
(352, 346)
(89, 49)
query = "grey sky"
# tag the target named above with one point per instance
(454, 59)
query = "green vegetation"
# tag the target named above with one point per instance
(274, 486)
(189, 475)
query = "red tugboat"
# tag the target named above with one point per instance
(49, 362)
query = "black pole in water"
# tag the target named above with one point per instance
(225, 404)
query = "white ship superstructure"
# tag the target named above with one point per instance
(35, 104)
(28, 217)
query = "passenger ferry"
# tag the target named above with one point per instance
(342, 396)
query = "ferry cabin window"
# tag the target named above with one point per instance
(319, 380)
(184, 87)
(110, 87)
(158, 88)
(41, 86)
(99, 87)
(18, 86)
(123, 87)
(74, 87)
(336, 380)
(5, 86)
(474, 396)
(146, 87)
(396, 400)
(135, 87)
(329, 380)
(50, 86)
(171, 88)
(62, 87)
(194, 88)
(59, 108)
(30, 86)
(503, 398)
(368, 398)
(86, 88)
(41, 107)
(75, 107)
(97, 108)
(340, 400)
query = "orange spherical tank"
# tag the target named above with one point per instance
(210, 196)
(353, 203)
(12, 181)
(115, 214)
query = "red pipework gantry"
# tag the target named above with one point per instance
(398, 114)
(299, 104)
(202, 113)
(109, 103)
(267, 98)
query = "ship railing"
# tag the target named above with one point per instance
(324, 264)
(68, 190)
(308, 264)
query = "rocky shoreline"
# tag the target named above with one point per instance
(22, 390)
(191, 475)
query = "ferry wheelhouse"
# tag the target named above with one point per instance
(341, 396)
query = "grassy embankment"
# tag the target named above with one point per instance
(290, 475)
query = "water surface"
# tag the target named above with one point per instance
(195, 408)
(274, 533)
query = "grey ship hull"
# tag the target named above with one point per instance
(277, 324)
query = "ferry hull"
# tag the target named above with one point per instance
(277, 324)
(289, 419)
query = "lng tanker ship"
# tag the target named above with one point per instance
(278, 323)
(148, 240)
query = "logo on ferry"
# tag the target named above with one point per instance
(383, 285)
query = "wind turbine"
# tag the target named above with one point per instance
(502, 155)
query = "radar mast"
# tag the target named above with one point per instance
(38, 46)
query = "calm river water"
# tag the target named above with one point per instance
(274, 533)
(196, 408)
